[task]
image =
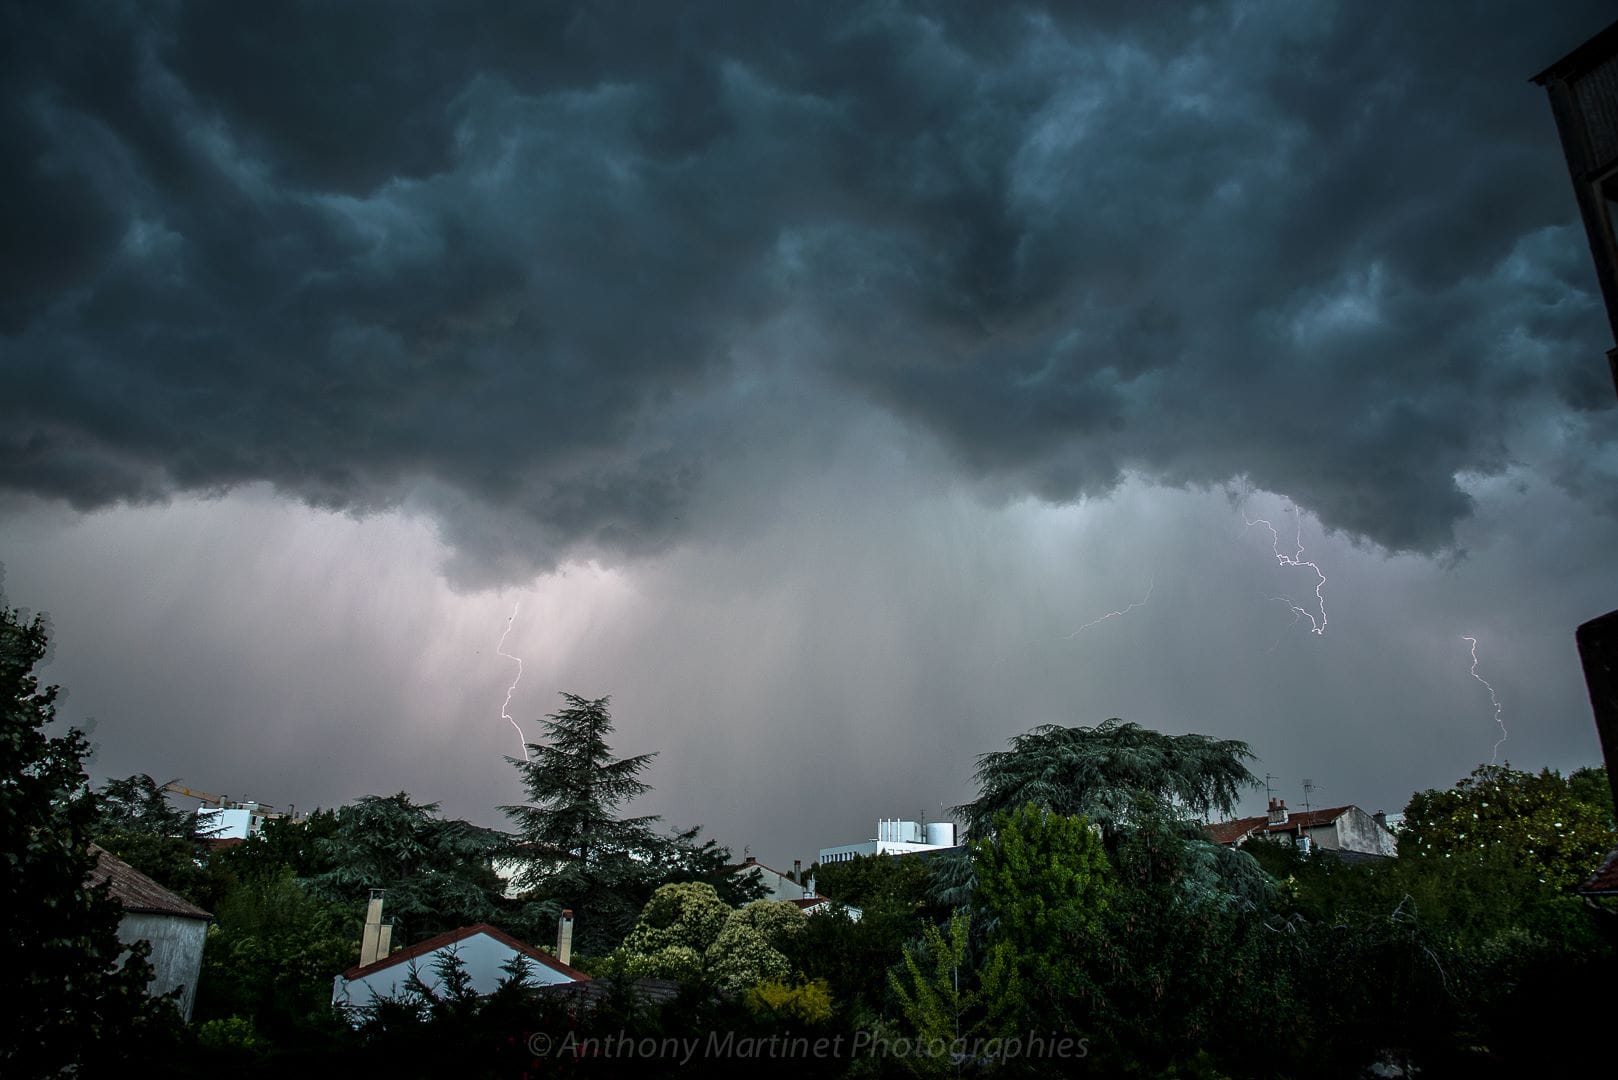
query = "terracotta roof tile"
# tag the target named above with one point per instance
(137, 892)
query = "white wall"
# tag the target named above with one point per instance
(176, 957)
(482, 955)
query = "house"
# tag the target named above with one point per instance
(1346, 831)
(485, 951)
(175, 927)
(779, 886)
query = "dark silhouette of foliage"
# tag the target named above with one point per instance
(75, 1005)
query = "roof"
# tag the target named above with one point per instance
(754, 864)
(432, 944)
(136, 892)
(1229, 832)
(1604, 882)
(1583, 58)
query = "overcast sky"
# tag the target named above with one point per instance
(812, 379)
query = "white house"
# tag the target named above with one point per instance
(779, 886)
(175, 927)
(483, 949)
(1345, 830)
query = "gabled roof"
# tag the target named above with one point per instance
(432, 944)
(1228, 832)
(754, 864)
(136, 892)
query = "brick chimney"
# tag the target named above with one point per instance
(1278, 812)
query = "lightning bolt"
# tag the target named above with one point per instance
(1296, 559)
(1114, 614)
(505, 713)
(1494, 700)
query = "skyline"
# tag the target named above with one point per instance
(842, 391)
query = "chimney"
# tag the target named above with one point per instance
(371, 940)
(1278, 812)
(749, 861)
(564, 936)
(797, 870)
(1381, 818)
(384, 940)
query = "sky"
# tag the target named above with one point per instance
(843, 389)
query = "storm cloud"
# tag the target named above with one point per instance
(561, 275)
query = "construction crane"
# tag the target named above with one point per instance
(207, 798)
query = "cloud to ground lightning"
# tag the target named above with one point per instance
(505, 708)
(1296, 559)
(1493, 699)
(1114, 614)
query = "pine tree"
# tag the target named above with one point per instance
(579, 852)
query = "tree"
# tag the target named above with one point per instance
(74, 1006)
(271, 955)
(437, 872)
(687, 933)
(1044, 885)
(1111, 774)
(952, 1005)
(1537, 825)
(580, 852)
(135, 822)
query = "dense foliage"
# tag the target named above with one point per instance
(1110, 774)
(73, 1006)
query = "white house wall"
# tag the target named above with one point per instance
(176, 957)
(483, 956)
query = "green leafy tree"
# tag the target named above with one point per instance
(752, 946)
(1536, 824)
(948, 1002)
(869, 880)
(674, 932)
(438, 873)
(283, 842)
(75, 1006)
(1111, 774)
(1044, 883)
(271, 955)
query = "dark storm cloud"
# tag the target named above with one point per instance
(521, 264)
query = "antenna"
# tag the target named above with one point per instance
(1308, 789)
(1269, 788)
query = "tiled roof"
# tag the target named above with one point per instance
(1604, 882)
(422, 948)
(134, 891)
(1228, 832)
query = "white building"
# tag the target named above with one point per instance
(175, 927)
(896, 837)
(484, 949)
(235, 822)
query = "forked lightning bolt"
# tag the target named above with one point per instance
(1114, 614)
(1495, 701)
(505, 713)
(1317, 626)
